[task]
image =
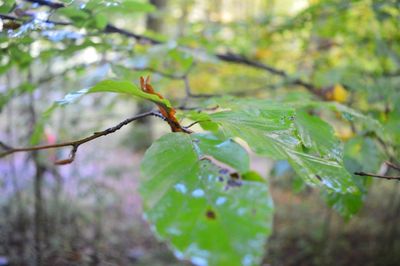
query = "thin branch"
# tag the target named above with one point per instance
(204, 95)
(32, 16)
(190, 94)
(54, 5)
(5, 146)
(141, 38)
(227, 57)
(10, 17)
(198, 108)
(196, 122)
(378, 176)
(75, 144)
(239, 59)
(392, 165)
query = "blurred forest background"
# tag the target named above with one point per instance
(89, 212)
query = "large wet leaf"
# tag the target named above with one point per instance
(267, 132)
(275, 131)
(347, 113)
(207, 214)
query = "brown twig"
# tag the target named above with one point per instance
(392, 165)
(239, 59)
(10, 17)
(5, 146)
(75, 144)
(378, 176)
(196, 122)
(51, 4)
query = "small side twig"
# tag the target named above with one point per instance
(378, 176)
(5, 146)
(196, 122)
(392, 165)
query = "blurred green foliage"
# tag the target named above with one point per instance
(313, 83)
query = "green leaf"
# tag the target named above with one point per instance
(298, 184)
(328, 173)
(318, 136)
(121, 7)
(345, 204)
(6, 5)
(227, 152)
(128, 6)
(269, 129)
(207, 216)
(101, 21)
(124, 87)
(392, 124)
(360, 155)
(19, 56)
(351, 114)
(347, 113)
(203, 120)
(77, 16)
(129, 88)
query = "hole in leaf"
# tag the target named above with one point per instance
(210, 214)
(235, 175)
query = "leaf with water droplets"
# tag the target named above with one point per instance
(279, 132)
(208, 214)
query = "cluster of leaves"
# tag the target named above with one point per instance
(198, 190)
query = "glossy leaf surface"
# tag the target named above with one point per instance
(206, 215)
(123, 87)
(318, 136)
(275, 131)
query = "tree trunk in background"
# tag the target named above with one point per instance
(180, 29)
(154, 20)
